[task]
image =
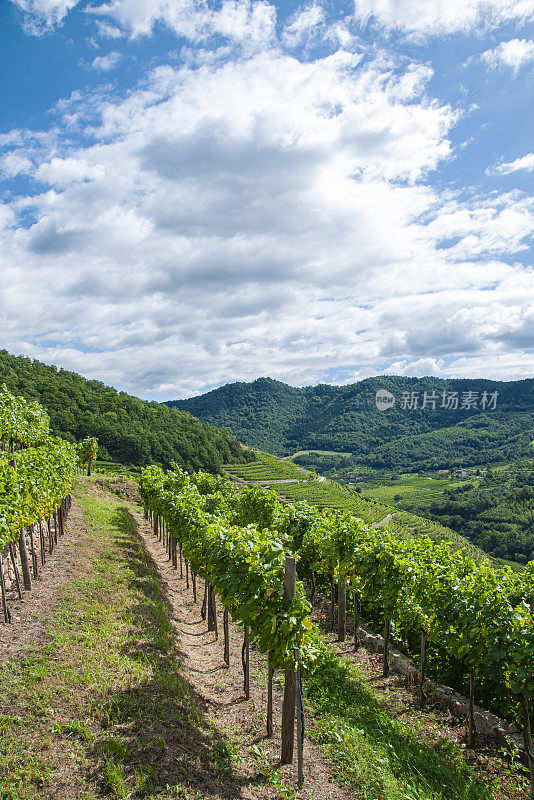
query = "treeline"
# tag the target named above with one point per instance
(496, 512)
(408, 437)
(129, 430)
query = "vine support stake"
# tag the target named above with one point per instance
(212, 611)
(300, 724)
(290, 682)
(332, 605)
(245, 660)
(342, 612)
(226, 630)
(270, 674)
(422, 675)
(31, 530)
(472, 725)
(527, 740)
(357, 615)
(205, 600)
(25, 561)
(15, 570)
(387, 626)
(7, 615)
(42, 542)
(194, 582)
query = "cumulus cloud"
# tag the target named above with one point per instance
(514, 54)
(424, 18)
(256, 214)
(523, 163)
(248, 22)
(41, 15)
(302, 26)
(107, 61)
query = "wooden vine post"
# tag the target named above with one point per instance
(15, 570)
(245, 660)
(290, 680)
(422, 676)
(212, 610)
(472, 725)
(342, 612)
(332, 605)
(226, 631)
(300, 724)
(387, 627)
(357, 616)
(7, 614)
(270, 675)
(25, 561)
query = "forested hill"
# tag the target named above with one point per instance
(129, 430)
(283, 419)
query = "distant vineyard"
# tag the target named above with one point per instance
(266, 468)
(328, 495)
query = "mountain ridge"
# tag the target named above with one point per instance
(282, 419)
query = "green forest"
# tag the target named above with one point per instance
(129, 430)
(495, 512)
(416, 433)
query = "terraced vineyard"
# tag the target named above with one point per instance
(266, 468)
(325, 494)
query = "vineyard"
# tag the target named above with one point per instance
(325, 494)
(266, 468)
(240, 543)
(36, 474)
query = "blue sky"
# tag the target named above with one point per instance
(195, 193)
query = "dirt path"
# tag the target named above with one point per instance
(221, 688)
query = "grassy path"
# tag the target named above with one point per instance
(122, 694)
(100, 707)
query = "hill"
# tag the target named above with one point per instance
(495, 511)
(128, 429)
(422, 430)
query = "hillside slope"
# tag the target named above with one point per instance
(128, 429)
(282, 419)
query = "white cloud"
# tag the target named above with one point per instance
(62, 172)
(44, 14)
(248, 22)
(257, 215)
(302, 26)
(439, 17)
(514, 54)
(107, 61)
(13, 164)
(524, 163)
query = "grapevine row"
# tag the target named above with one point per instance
(36, 475)
(245, 564)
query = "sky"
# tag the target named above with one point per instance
(194, 193)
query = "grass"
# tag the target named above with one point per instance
(386, 757)
(101, 707)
